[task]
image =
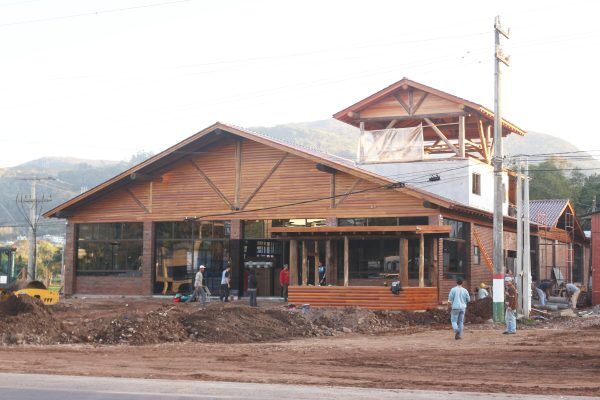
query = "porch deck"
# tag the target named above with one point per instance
(370, 297)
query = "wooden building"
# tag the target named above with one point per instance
(229, 196)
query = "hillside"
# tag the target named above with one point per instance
(73, 174)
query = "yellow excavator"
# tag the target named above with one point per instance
(15, 283)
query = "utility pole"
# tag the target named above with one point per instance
(31, 210)
(519, 267)
(526, 295)
(498, 259)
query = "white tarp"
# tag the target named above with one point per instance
(391, 145)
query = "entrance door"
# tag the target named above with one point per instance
(266, 257)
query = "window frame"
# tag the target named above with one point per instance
(476, 183)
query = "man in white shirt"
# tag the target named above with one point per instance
(225, 280)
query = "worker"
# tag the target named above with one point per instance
(457, 301)
(199, 292)
(225, 280)
(510, 300)
(573, 294)
(252, 284)
(543, 291)
(482, 292)
(284, 281)
(322, 274)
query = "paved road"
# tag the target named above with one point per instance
(60, 387)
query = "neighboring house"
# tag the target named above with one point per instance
(229, 196)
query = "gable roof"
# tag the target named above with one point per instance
(173, 153)
(547, 212)
(405, 82)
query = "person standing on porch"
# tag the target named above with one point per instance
(284, 281)
(252, 283)
(225, 280)
(457, 301)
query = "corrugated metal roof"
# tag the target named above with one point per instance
(547, 211)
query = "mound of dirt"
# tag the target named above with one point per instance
(25, 320)
(158, 326)
(241, 324)
(327, 320)
(479, 311)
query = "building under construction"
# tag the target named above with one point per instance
(415, 206)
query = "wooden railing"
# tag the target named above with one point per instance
(370, 297)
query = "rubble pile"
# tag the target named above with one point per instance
(25, 320)
(328, 321)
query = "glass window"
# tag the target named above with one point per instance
(106, 249)
(352, 222)
(458, 228)
(256, 229)
(476, 187)
(190, 245)
(413, 221)
(476, 255)
(373, 258)
(390, 221)
(455, 260)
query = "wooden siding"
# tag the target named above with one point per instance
(184, 191)
(373, 298)
(390, 106)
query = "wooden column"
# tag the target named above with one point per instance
(421, 260)
(304, 263)
(346, 261)
(461, 136)
(329, 262)
(317, 262)
(70, 259)
(148, 257)
(293, 262)
(238, 173)
(433, 257)
(403, 267)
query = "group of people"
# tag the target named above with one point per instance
(201, 291)
(459, 297)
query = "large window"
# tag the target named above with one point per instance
(476, 188)
(455, 250)
(373, 258)
(299, 222)
(109, 249)
(182, 246)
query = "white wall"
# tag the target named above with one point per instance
(455, 183)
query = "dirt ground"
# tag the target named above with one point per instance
(385, 351)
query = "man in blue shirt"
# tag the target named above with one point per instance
(457, 300)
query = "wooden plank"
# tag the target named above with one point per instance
(349, 192)
(421, 260)
(427, 229)
(484, 143)
(304, 263)
(316, 263)
(420, 102)
(265, 179)
(137, 201)
(329, 261)
(332, 190)
(441, 135)
(293, 262)
(212, 185)
(238, 173)
(391, 124)
(402, 103)
(412, 117)
(433, 256)
(461, 136)
(346, 260)
(403, 267)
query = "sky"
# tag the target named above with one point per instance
(106, 79)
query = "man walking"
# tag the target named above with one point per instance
(510, 316)
(225, 280)
(252, 288)
(284, 281)
(457, 300)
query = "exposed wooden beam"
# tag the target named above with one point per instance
(411, 117)
(346, 261)
(411, 101)
(238, 174)
(402, 103)
(420, 102)
(265, 179)
(441, 135)
(212, 185)
(349, 192)
(391, 124)
(316, 271)
(138, 202)
(293, 262)
(332, 190)
(403, 264)
(461, 136)
(484, 143)
(304, 263)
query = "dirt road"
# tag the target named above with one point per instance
(537, 361)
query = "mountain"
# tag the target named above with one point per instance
(72, 175)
